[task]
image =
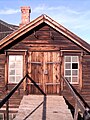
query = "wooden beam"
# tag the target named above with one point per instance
(78, 51)
(76, 111)
(7, 110)
(52, 83)
(80, 73)
(6, 70)
(14, 50)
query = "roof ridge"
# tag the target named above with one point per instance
(6, 24)
(55, 25)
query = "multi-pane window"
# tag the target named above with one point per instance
(71, 68)
(15, 72)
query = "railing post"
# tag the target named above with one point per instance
(62, 84)
(26, 86)
(80, 102)
(76, 111)
(7, 110)
(7, 106)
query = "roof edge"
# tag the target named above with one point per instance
(44, 18)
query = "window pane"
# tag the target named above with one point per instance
(12, 72)
(68, 66)
(74, 65)
(18, 65)
(74, 72)
(67, 72)
(74, 79)
(18, 78)
(19, 58)
(11, 58)
(12, 65)
(68, 78)
(74, 58)
(18, 72)
(12, 79)
(67, 59)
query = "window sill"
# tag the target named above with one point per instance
(74, 83)
(12, 83)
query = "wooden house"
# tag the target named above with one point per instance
(6, 29)
(46, 51)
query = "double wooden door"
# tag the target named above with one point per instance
(44, 69)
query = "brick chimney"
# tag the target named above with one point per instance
(25, 15)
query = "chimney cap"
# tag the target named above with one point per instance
(26, 8)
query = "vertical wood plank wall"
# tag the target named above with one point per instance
(46, 51)
(45, 70)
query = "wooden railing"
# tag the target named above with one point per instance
(80, 104)
(3, 101)
(7, 97)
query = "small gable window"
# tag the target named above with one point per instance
(15, 67)
(71, 68)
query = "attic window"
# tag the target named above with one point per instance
(71, 68)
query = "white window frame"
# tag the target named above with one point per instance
(72, 69)
(9, 68)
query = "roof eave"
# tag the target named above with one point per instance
(43, 18)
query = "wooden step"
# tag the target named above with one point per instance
(38, 107)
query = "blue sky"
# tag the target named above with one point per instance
(72, 14)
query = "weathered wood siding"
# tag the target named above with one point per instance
(2, 73)
(86, 78)
(42, 43)
(47, 39)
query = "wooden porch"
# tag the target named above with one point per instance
(41, 107)
(48, 105)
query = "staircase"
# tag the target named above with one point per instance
(38, 107)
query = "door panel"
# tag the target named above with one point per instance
(44, 68)
(53, 77)
(35, 70)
